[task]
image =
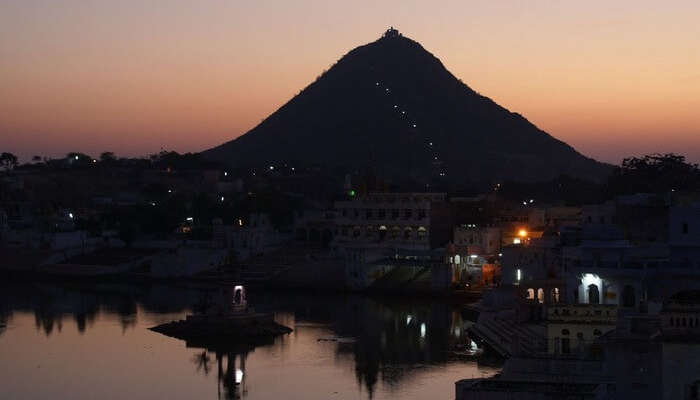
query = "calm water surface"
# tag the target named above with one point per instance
(92, 341)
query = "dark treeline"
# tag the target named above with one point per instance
(279, 191)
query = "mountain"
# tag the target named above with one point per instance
(393, 106)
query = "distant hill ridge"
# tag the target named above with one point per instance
(392, 105)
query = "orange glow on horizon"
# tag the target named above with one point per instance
(611, 79)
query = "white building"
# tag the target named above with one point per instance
(472, 239)
(399, 220)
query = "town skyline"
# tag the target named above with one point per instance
(152, 77)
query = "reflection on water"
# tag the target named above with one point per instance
(87, 341)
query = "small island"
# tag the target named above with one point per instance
(229, 318)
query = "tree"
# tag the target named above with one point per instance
(78, 159)
(654, 173)
(8, 161)
(108, 157)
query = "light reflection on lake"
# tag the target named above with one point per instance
(92, 341)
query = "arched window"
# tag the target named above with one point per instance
(540, 295)
(531, 294)
(684, 321)
(555, 295)
(382, 232)
(395, 231)
(671, 321)
(564, 331)
(593, 294)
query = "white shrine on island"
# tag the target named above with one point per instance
(227, 317)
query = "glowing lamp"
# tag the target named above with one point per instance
(522, 233)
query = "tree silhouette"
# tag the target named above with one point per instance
(654, 173)
(108, 157)
(202, 361)
(8, 161)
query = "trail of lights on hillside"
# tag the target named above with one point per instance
(430, 145)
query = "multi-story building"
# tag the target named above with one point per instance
(572, 329)
(417, 221)
(470, 239)
(382, 233)
(541, 218)
(684, 236)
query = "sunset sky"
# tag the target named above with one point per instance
(611, 78)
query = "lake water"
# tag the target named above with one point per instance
(92, 342)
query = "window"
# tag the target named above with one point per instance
(684, 228)
(579, 335)
(555, 295)
(628, 296)
(597, 332)
(564, 331)
(565, 346)
(593, 294)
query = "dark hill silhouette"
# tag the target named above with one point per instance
(392, 105)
